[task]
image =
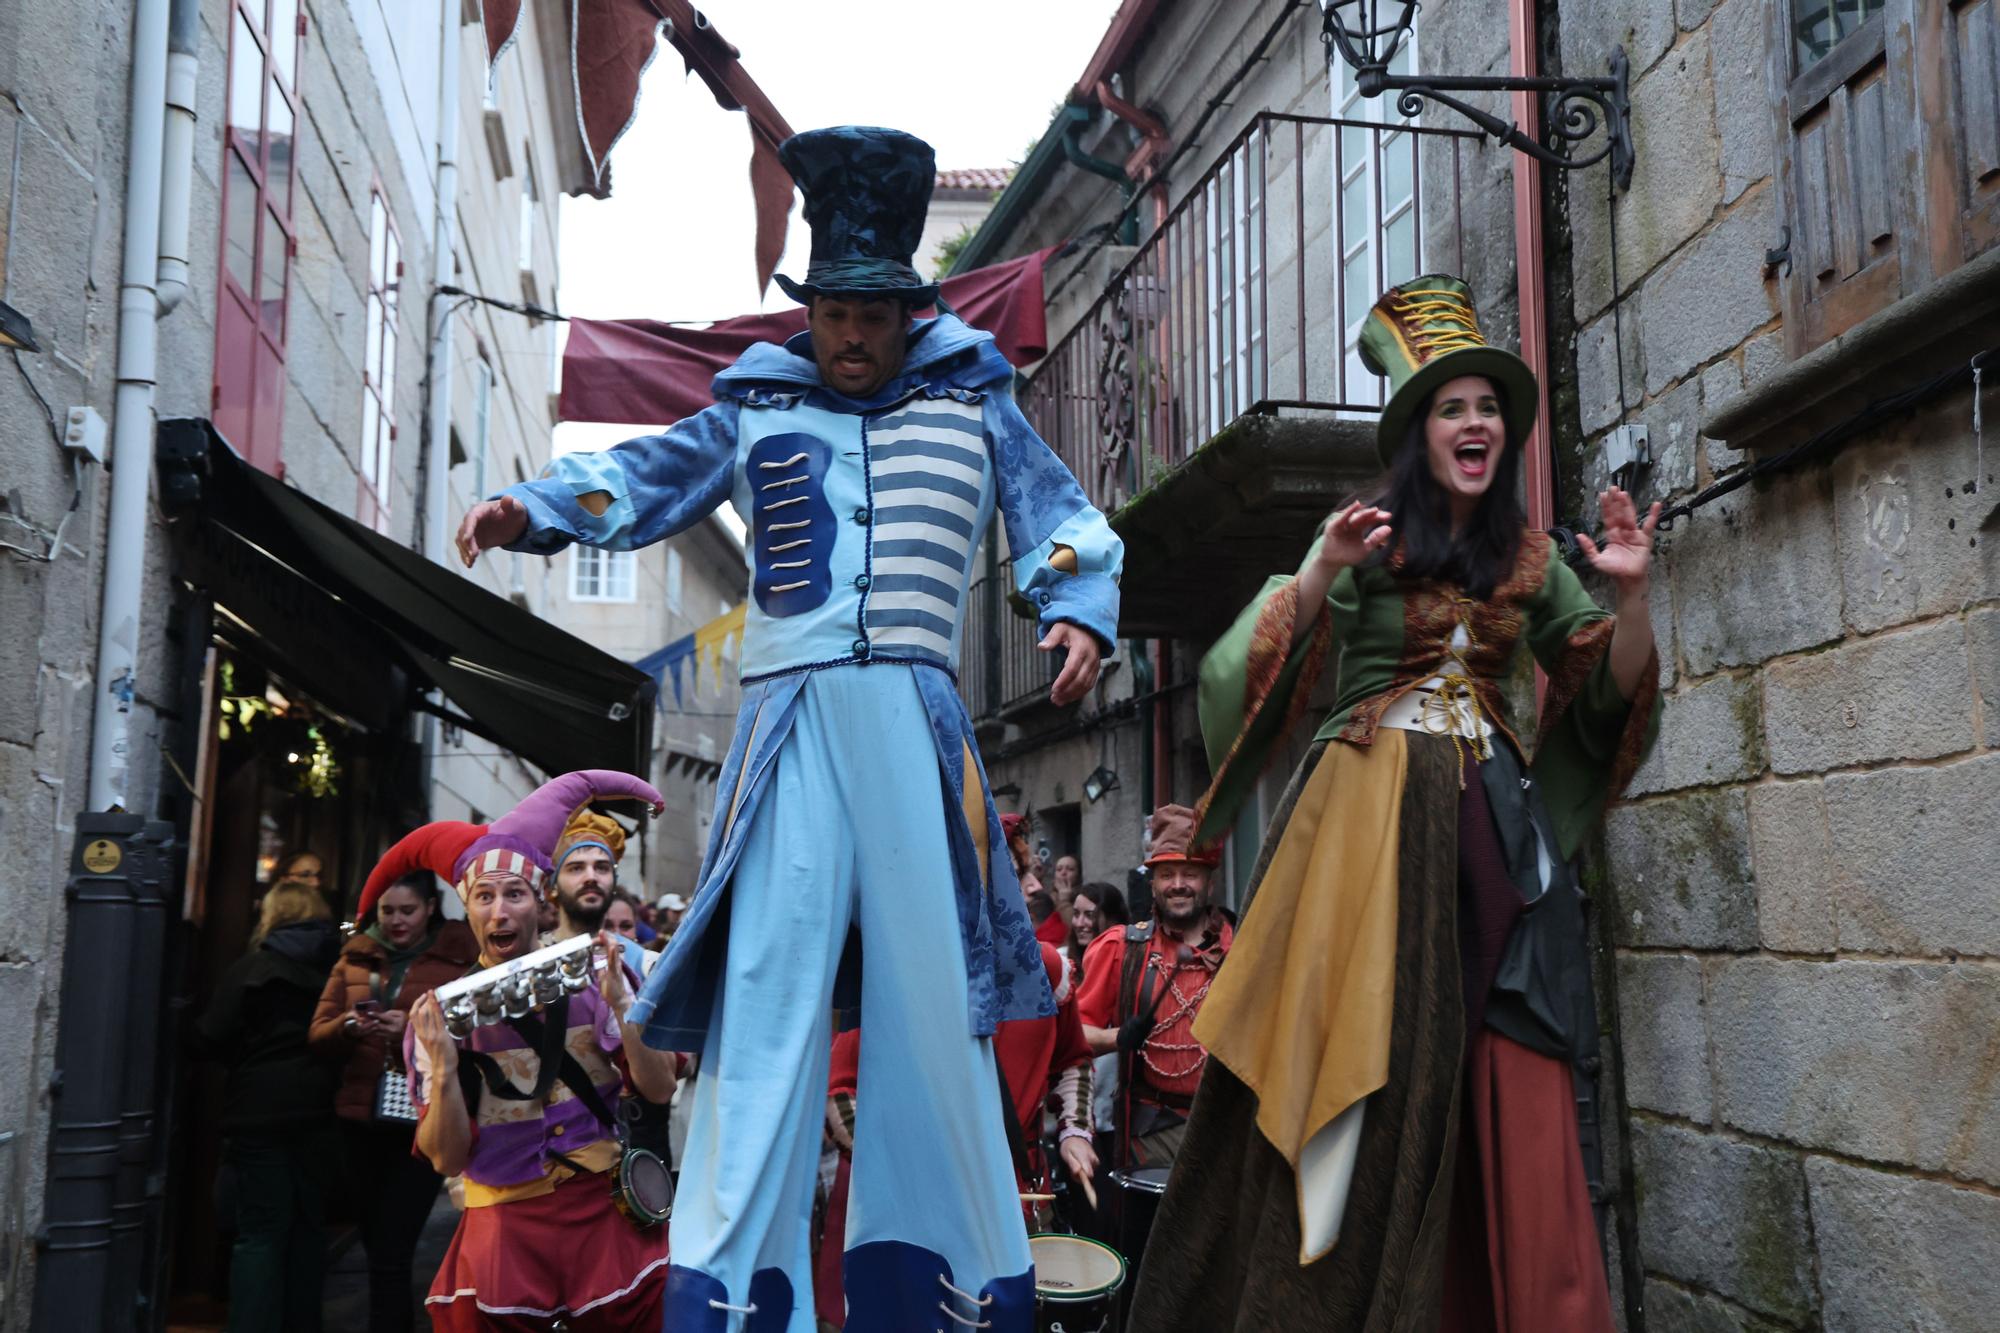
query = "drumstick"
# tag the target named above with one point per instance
(1038, 1198)
(1089, 1191)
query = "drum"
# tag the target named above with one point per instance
(1139, 1193)
(1076, 1284)
(643, 1189)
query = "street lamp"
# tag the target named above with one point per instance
(16, 333)
(1356, 30)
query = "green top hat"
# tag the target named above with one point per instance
(1426, 332)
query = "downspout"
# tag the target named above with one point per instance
(1111, 171)
(1528, 262)
(1146, 160)
(436, 443)
(177, 157)
(437, 406)
(132, 414)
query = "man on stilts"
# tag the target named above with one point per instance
(858, 857)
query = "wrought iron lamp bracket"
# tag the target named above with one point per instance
(1572, 108)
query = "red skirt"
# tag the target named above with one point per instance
(513, 1267)
(1523, 1254)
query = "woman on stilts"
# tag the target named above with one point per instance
(1387, 1135)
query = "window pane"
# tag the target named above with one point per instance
(527, 229)
(392, 279)
(246, 82)
(389, 365)
(378, 238)
(1357, 218)
(1399, 247)
(272, 292)
(371, 365)
(1359, 275)
(1397, 173)
(1819, 25)
(285, 38)
(371, 424)
(278, 141)
(240, 231)
(1353, 146)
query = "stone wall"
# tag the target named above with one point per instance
(61, 218)
(1799, 887)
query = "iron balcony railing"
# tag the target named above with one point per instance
(1001, 665)
(1249, 295)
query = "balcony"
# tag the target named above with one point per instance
(1211, 399)
(1001, 670)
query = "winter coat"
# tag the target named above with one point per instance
(362, 973)
(257, 1023)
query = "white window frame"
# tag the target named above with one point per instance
(597, 575)
(529, 202)
(1365, 221)
(482, 426)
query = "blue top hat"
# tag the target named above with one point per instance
(867, 190)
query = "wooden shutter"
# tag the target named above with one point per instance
(1889, 156)
(1961, 43)
(1848, 137)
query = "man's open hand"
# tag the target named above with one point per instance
(488, 524)
(1079, 671)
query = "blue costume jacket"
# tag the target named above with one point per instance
(863, 519)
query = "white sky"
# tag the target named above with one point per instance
(673, 241)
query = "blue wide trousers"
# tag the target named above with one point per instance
(849, 833)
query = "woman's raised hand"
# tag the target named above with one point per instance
(1626, 556)
(1352, 535)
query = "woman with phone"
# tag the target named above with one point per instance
(403, 948)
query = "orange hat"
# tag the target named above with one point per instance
(1170, 831)
(587, 828)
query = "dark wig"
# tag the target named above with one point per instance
(1480, 556)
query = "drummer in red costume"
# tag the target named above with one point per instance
(1143, 986)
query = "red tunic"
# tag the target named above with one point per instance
(1171, 1060)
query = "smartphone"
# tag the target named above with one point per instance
(369, 1007)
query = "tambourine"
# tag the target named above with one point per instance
(518, 987)
(643, 1189)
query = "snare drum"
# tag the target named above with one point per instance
(643, 1188)
(1139, 1193)
(1076, 1284)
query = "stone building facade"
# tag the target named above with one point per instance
(300, 332)
(1794, 903)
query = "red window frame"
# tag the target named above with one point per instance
(378, 371)
(258, 240)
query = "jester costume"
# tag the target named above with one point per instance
(1387, 1135)
(539, 1245)
(856, 861)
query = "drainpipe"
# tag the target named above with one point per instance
(1145, 162)
(1522, 30)
(437, 410)
(1111, 171)
(132, 415)
(177, 159)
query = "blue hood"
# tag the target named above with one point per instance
(944, 352)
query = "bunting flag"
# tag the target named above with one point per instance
(705, 648)
(610, 44)
(712, 639)
(667, 663)
(647, 373)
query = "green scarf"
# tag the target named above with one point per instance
(399, 960)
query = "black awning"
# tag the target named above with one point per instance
(511, 677)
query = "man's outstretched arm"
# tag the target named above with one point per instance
(619, 499)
